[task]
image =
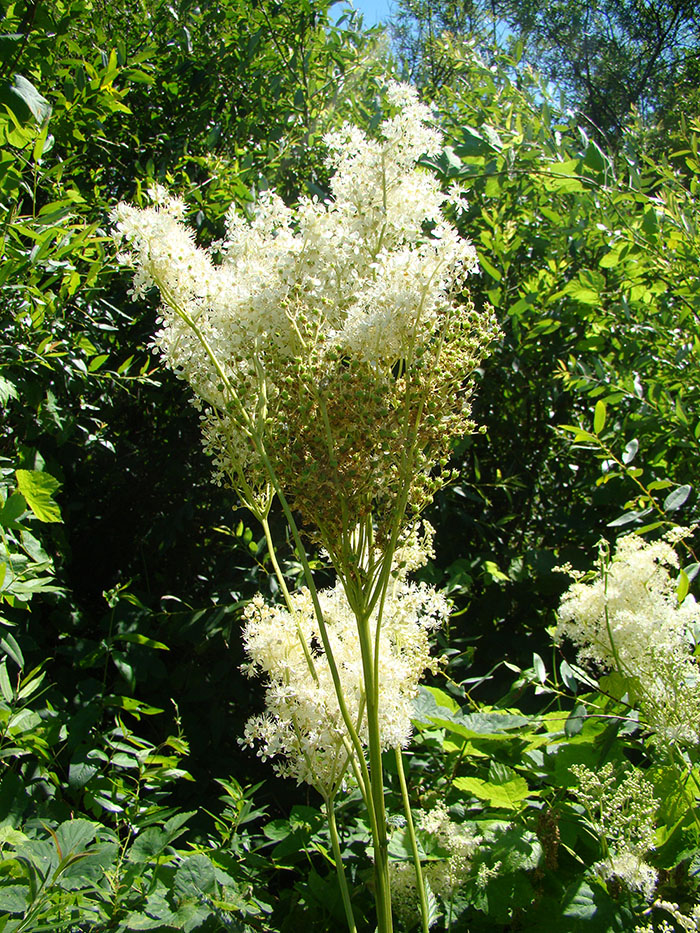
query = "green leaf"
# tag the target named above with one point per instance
(568, 677)
(490, 269)
(132, 705)
(14, 899)
(575, 721)
(442, 699)
(5, 685)
(540, 669)
(195, 876)
(683, 586)
(599, 416)
(630, 451)
(508, 795)
(38, 488)
(482, 727)
(137, 639)
(7, 391)
(82, 767)
(15, 506)
(628, 517)
(73, 836)
(148, 844)
(676, 499)
(9, 645)
(25, 101)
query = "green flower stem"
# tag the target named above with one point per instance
(425, 923)
(376, 774)
(338, 858)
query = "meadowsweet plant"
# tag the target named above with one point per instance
(627, 618)
(331, 349)
(620, 810)
(443, 875)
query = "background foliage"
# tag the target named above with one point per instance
(124, 801)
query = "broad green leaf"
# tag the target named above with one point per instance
(610, 260)
(442, 699)
(194, 877)
(575, 721)
(14, 507)
(148, 844)
(583, 293)
(38, 489)
(483, 727)
(82, 768)
(14, 899)
(74, 836)
(508, 796)
(683, 586)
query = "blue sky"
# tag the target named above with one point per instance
(373, 11)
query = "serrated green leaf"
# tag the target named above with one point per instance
(73, 836)
(14, 898)
(195, 876)
(508, 795)
(442, 699)
(38, 489)
(14, 507)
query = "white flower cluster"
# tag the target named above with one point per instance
(621, 812)
(690, 923)
(628, 619)
(302, 727)
(367, 273)
(444, 875)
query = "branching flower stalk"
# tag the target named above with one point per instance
(332, 351)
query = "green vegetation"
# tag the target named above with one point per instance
(548, 790)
